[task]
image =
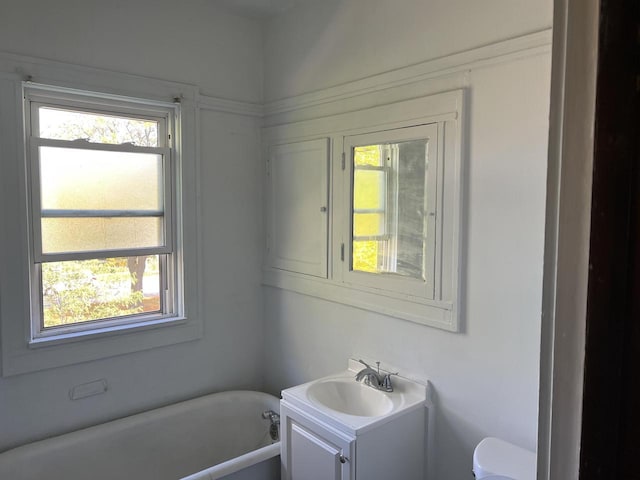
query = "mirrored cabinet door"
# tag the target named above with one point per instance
(391, 189)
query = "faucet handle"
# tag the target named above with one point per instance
(364, 363)
(386, 382)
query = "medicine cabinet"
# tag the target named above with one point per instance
(367, 212)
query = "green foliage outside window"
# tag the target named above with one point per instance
(80, 291)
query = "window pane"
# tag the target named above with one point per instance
(82, 291)
(400, 191)
(369, 155)
(365, 256)
(62, 124)
(370, 190)
(368, 224)
(61, 235)
(79, 179)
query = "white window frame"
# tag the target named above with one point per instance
(20, 352)
(37, 96)
(389, 282)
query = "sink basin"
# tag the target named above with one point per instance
(342, 403)
(350, 397)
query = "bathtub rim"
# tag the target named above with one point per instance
(236, 464)
(138, 417)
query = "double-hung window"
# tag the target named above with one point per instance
(102, 212)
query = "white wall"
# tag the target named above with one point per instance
(485, 378)
(222, 55)
(188, 42)
(330, 42)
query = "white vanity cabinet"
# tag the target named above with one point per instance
(333, 430)
(311, 451)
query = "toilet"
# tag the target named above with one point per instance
(495, 459)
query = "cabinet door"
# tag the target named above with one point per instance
(313, 457)
(313, 452)
(298, 210)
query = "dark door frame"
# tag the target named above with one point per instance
(610, 443)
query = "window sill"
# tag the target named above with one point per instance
(99, 332)
(42, 354)
(438, 314)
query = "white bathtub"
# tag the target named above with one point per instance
(222, 435)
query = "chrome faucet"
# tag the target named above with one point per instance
(374, 378)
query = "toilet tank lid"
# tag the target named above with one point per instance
(493, 456)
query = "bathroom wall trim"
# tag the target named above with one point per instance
(230, 106)
(13, 66)
(504, 51)
(454, 65)
(89, 78)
